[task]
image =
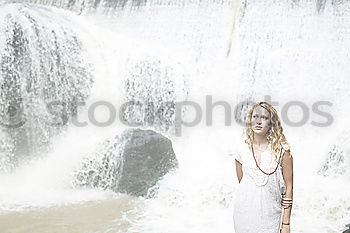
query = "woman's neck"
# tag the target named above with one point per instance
(259, 140)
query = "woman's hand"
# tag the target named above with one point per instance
(285, 229)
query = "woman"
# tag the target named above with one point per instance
(264, 167)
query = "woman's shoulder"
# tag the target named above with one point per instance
(286, 149)
(239, 147)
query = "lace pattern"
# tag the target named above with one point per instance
(259, 178)
(257, 204)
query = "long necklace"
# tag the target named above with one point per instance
(258, 165)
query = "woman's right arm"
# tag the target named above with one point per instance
(239, 171)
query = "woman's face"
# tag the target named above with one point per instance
(260, 121)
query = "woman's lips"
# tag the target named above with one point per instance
(258, 127)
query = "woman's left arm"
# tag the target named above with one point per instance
(287, 171)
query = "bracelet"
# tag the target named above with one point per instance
(286, 206)
(287, 202)
(285, 223)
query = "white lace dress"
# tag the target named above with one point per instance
(257, 204)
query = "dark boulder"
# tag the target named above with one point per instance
(348, 230)
(130, 163)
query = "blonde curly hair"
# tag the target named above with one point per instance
(275, 136)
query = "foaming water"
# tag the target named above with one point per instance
(290, 52)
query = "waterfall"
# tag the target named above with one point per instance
(294, 53)
(43, 76)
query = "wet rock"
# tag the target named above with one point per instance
(130, 163)
(348, 230)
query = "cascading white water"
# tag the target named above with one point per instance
(36, 73)
(287, 50)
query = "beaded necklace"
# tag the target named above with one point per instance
(258, 165)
